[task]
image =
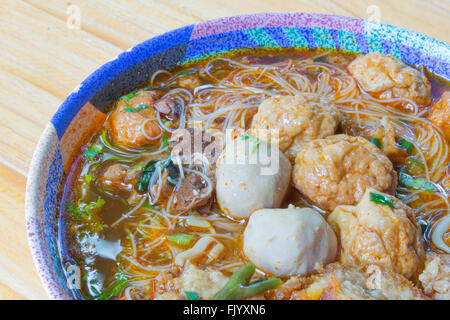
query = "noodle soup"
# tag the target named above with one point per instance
(144, 221)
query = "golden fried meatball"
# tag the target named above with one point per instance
(383, 233)
(299, 119)
(440, 114)
(337, 170)
(340, 282)
(386, 77)
(435, 278)
(133, 122)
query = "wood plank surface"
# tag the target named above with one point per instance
(42, 58)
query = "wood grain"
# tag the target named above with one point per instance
(42, 60)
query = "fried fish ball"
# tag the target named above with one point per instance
(337, 170)
(133, 122)
(385, 234)
(298, 119)
(386, 77)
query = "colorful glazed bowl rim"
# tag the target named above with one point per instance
(86, 105)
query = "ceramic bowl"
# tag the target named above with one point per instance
(85, 107)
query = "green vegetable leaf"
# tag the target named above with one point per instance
(382, 199)
(415, 183)
(191, 295)
(92, 152)
(181, 239)
(376, 142)
(405, 144)
(142, 184)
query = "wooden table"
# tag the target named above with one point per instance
(42, 60)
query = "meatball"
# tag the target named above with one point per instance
(298, 119)
(339, 282)
(440, 114)
(435, 278)
(251, 174)
(292, 241)
(337, 170)
(385, 234)
(133, 122)
(386, 77)
(118, 176)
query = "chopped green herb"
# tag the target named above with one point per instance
(70, 207)
(130, 96)
(415, 183)
(114, 289)
(181, 239)
(382, 199)
(148, 206)
(92, 152)
(376, 142)
(174, 172)
(405, 144)
(137, 109)
(88, 178)
(413, 160)
(255, 145)
(182, 73)
(192, 295)
(165, 140)
(255, 142)
(99, 203)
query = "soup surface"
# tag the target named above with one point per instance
(150, 210)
